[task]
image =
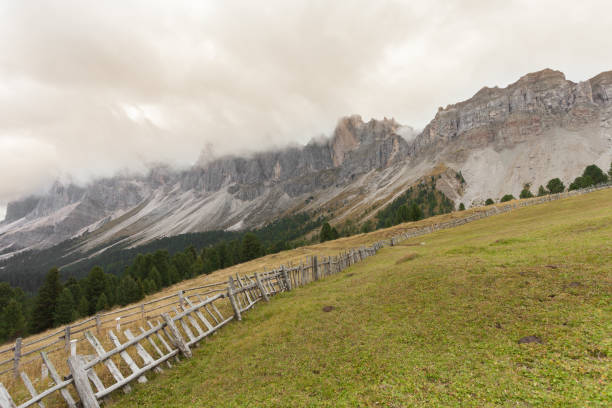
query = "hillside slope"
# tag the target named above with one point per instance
(434, 321)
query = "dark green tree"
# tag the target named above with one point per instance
(66, 310)
(542, 191)
(251, 247)
(525, 192)
(415, 213)
(555, 186)
(224, 259)
(101, 303)
(334, 233)
(46, 302)
(367, 226)
(95, 287)
(581, 182)
(6, 294)
(325, 234)
(595, 173)
(507, 197)
(461, 207)
(129, 291)
(148, 286)
(156, 277)
(83, 307)
(489, 201)
(12, 322)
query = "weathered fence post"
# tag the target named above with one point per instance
(73, 345)
(17, 356)
(264, 294)
(315, 268)
(286, 278)
(5, 398)
(176, 338)
(98, 324)
(67, 338)
(142, 311)
(180, 296)
(232, 298)
(81, 383)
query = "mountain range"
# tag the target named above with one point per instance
(539, 127)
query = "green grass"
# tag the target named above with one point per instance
(428, 325)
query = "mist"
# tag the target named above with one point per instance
(90, 88)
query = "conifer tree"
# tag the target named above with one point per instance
(555, 186)
(595, 173)
(83, 307)
(96, 285)
(542, 191)
(46, 302)
(148, 285)
(461, 207)
(251, 247)
(156, 277)
(526, 193)
(325, 234)
(129, 290)
(12, 322)
(489, 201)
(507, 197)
(102, 303)
(65, 311)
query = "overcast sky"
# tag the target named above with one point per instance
(88, 88)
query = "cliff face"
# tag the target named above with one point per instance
(540, 127)
(525, 109)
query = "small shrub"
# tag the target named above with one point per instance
(507, 197)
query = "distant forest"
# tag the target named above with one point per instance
(122, 276)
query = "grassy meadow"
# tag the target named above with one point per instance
(435, 321)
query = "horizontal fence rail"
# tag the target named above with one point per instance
(177, 323)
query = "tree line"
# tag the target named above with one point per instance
(59, 302)
(591, 176)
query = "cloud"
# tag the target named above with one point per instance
(89, 88)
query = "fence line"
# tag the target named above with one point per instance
(192, 321)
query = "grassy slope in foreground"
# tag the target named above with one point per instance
(429, 325)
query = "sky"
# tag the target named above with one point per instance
(90, 88)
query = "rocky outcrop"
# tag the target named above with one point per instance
(504, 117)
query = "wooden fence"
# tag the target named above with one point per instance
(169, 336)
(177, 323)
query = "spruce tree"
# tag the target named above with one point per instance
(251, 247)
(83, 307)
(13, 322)
(555, 186)
(595, 173)
(461, 207)
(46, 302)
(542, 191)
(102, 303)
(129, 291)
(325, 234)
(525, 192)
(334, 233)
(96, 285)
(156, 277)
(65, 311)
